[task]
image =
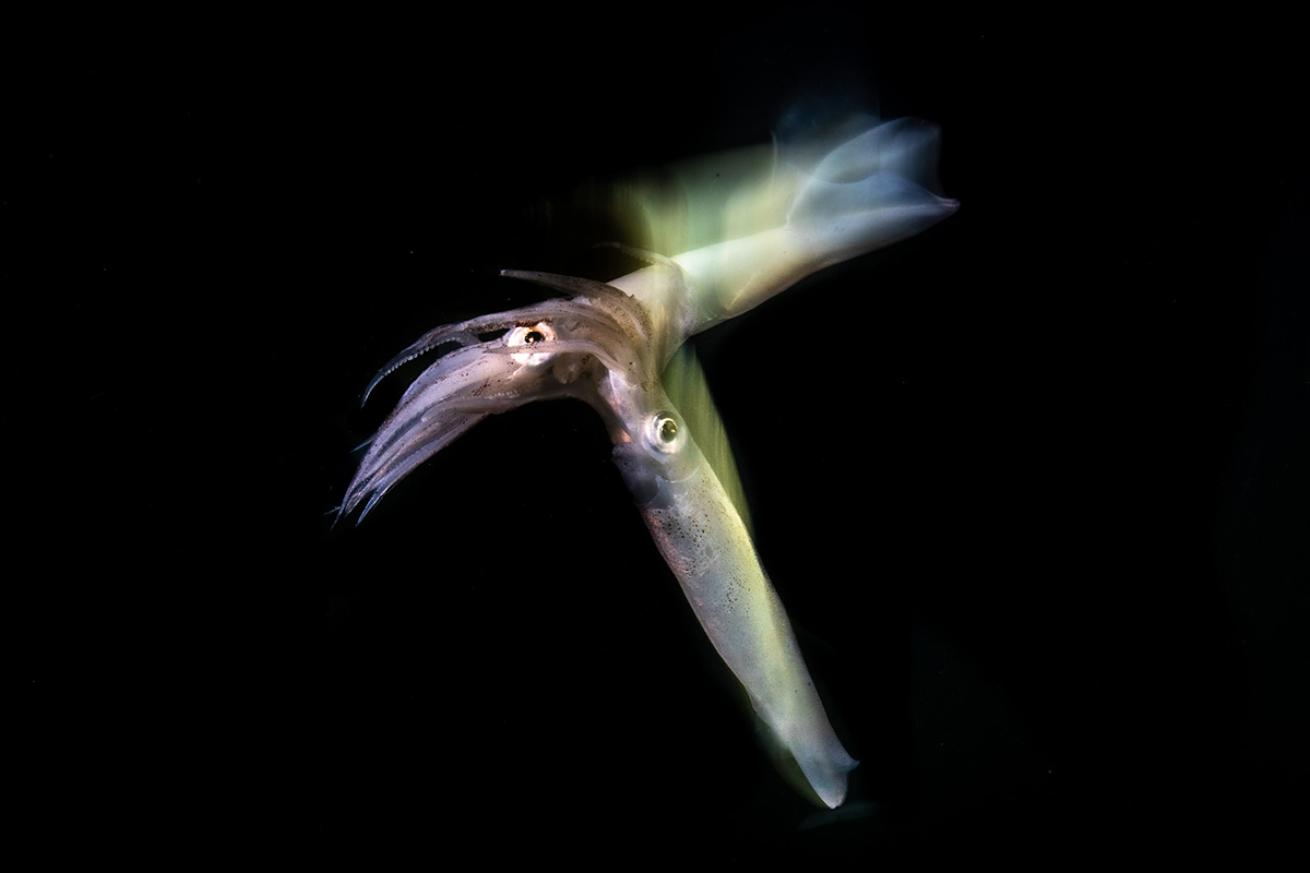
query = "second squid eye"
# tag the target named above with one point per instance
(531, 335)
(665, 433)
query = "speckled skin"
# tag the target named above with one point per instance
(701, 536)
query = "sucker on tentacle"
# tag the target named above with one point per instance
(463, 338)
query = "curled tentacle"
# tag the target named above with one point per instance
(464, 338)
(447, 333)
(421, 426)
(432, 441)
(542, 352)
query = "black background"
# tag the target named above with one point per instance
(1032, 484)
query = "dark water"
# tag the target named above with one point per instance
(1032, 484)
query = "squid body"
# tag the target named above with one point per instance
(611, 344)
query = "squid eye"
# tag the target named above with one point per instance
(525, 335)
(664, 432)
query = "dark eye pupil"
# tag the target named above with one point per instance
(534, 336)
(668, 430)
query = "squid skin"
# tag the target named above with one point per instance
(608, 344)
(707, 546)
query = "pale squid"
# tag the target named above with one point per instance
(609, 343)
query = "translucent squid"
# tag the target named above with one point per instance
(611, 344)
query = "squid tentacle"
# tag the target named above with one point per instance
(480, 378)
(439, 336)
(382, 482)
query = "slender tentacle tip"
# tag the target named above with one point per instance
(611, 344)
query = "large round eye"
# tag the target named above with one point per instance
(530, 335)
(665, 432)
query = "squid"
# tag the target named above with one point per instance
(620, 347)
